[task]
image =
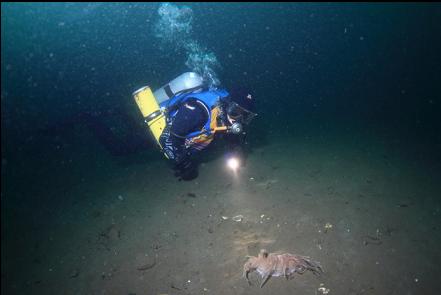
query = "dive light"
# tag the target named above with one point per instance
(233, 164)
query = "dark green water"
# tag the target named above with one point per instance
(315, 69)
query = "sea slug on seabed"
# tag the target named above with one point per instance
(275, 265)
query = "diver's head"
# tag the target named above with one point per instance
(240, 108)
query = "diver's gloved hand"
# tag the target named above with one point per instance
(183, 165)
(186, 169)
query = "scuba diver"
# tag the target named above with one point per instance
(184, 117)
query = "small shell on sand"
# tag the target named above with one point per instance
(238, 218)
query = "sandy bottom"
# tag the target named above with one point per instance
(366, 209)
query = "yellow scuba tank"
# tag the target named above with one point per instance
(150, 110)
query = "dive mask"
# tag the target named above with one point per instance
(238, 113)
